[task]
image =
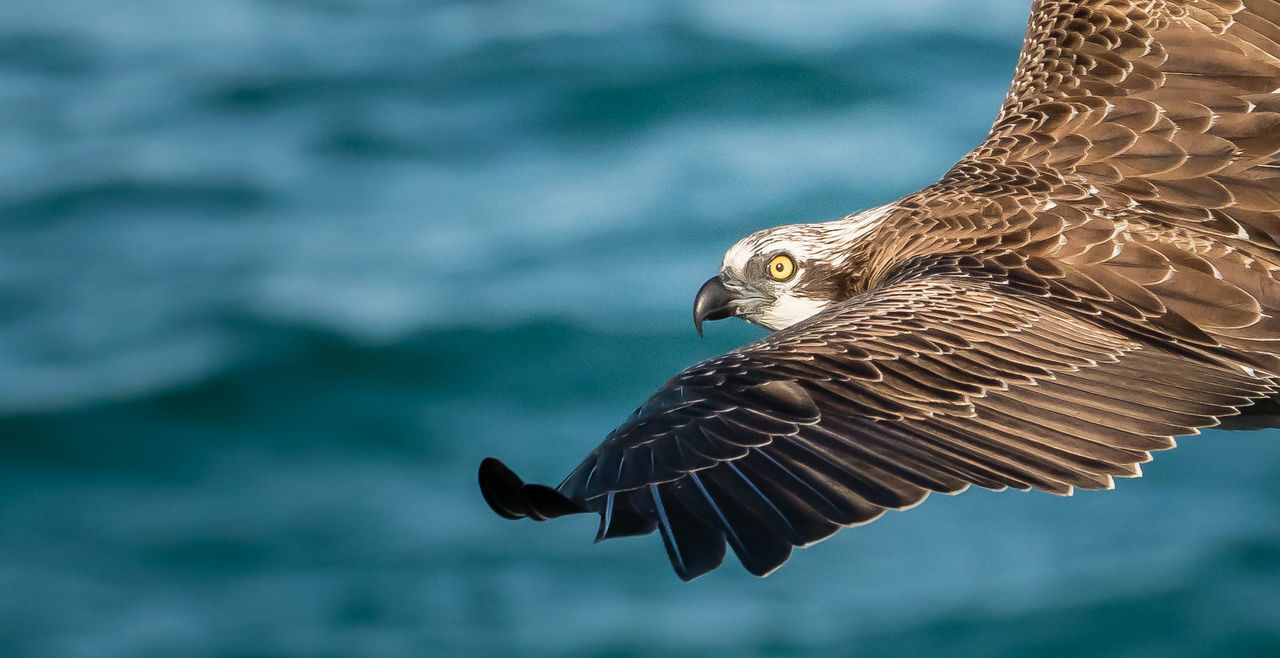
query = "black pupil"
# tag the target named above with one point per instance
(779, 266)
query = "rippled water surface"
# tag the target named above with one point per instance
(276, 274)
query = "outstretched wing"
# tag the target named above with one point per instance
(930, 384)
(1135, 160)
(1170, 103)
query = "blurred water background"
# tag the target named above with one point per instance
(276, 274)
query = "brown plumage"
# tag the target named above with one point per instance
(1098, 277)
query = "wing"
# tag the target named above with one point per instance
(1108, 93)
(1163, 111)
(933, 383)
(1134, 161)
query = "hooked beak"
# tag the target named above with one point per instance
(714, 302)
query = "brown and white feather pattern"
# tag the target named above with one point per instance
(1098, 277)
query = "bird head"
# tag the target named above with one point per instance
(780, 276)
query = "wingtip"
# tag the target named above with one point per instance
(501, 487)
(509, 497)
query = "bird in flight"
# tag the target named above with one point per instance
(1096, 278)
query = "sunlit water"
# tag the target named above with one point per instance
(275, 275)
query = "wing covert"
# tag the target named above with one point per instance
(1165, 107)
(1164, 111)
(1136, 162)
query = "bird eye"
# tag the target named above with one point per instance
(781, 267)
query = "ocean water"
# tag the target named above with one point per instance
(276, 274)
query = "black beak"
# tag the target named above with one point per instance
(714, 302)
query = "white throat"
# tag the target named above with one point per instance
(788, 310)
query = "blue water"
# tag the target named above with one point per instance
(276, 274)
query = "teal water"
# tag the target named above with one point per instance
(276, 274)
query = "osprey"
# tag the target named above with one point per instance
(1096, 278)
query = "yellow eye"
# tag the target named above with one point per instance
(782, 267)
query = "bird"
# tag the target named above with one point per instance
(1099, 276)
